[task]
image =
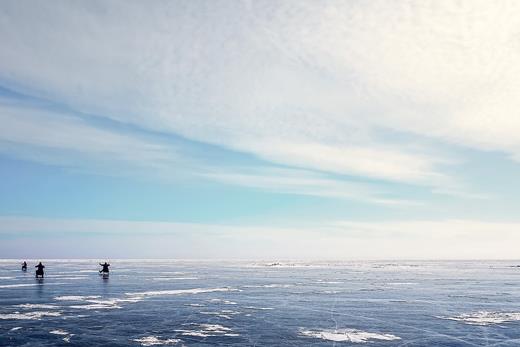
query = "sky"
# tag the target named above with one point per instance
(260, 129)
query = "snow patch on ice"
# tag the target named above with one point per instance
(76, 297)
(155, 340)
(59, 332)
(274, 285)
(225, 302)
(486, 317)
(66, 335)
(93, 302)
(76, 316)
(207, 330)
(181, 291)
(94, 307)
(30, 315)
(19, 285)
(329, 282)
(44, 306)
(348, 335)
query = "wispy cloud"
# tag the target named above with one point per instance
(302, 182)
(366, 161)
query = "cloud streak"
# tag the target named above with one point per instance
(58, 138)
(302, 182)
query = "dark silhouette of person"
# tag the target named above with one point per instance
(105, 267)
(39, 270)
(24, 266)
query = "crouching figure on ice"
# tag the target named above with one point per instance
(39, 270)
(104, 270)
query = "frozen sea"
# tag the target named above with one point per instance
(180, 303)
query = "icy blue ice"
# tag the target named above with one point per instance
(179, 303)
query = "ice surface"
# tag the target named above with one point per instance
(174, 278)
(258, 308)
(318, 304)
(218, 314)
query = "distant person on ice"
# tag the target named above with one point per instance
(24, 266)
(39, 270)
(105, 267)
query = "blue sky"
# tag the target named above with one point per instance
(293, 129)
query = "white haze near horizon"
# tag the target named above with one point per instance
(450, 239)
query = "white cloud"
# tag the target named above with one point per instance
(284, 81)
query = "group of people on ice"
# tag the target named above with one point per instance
(40, 273)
